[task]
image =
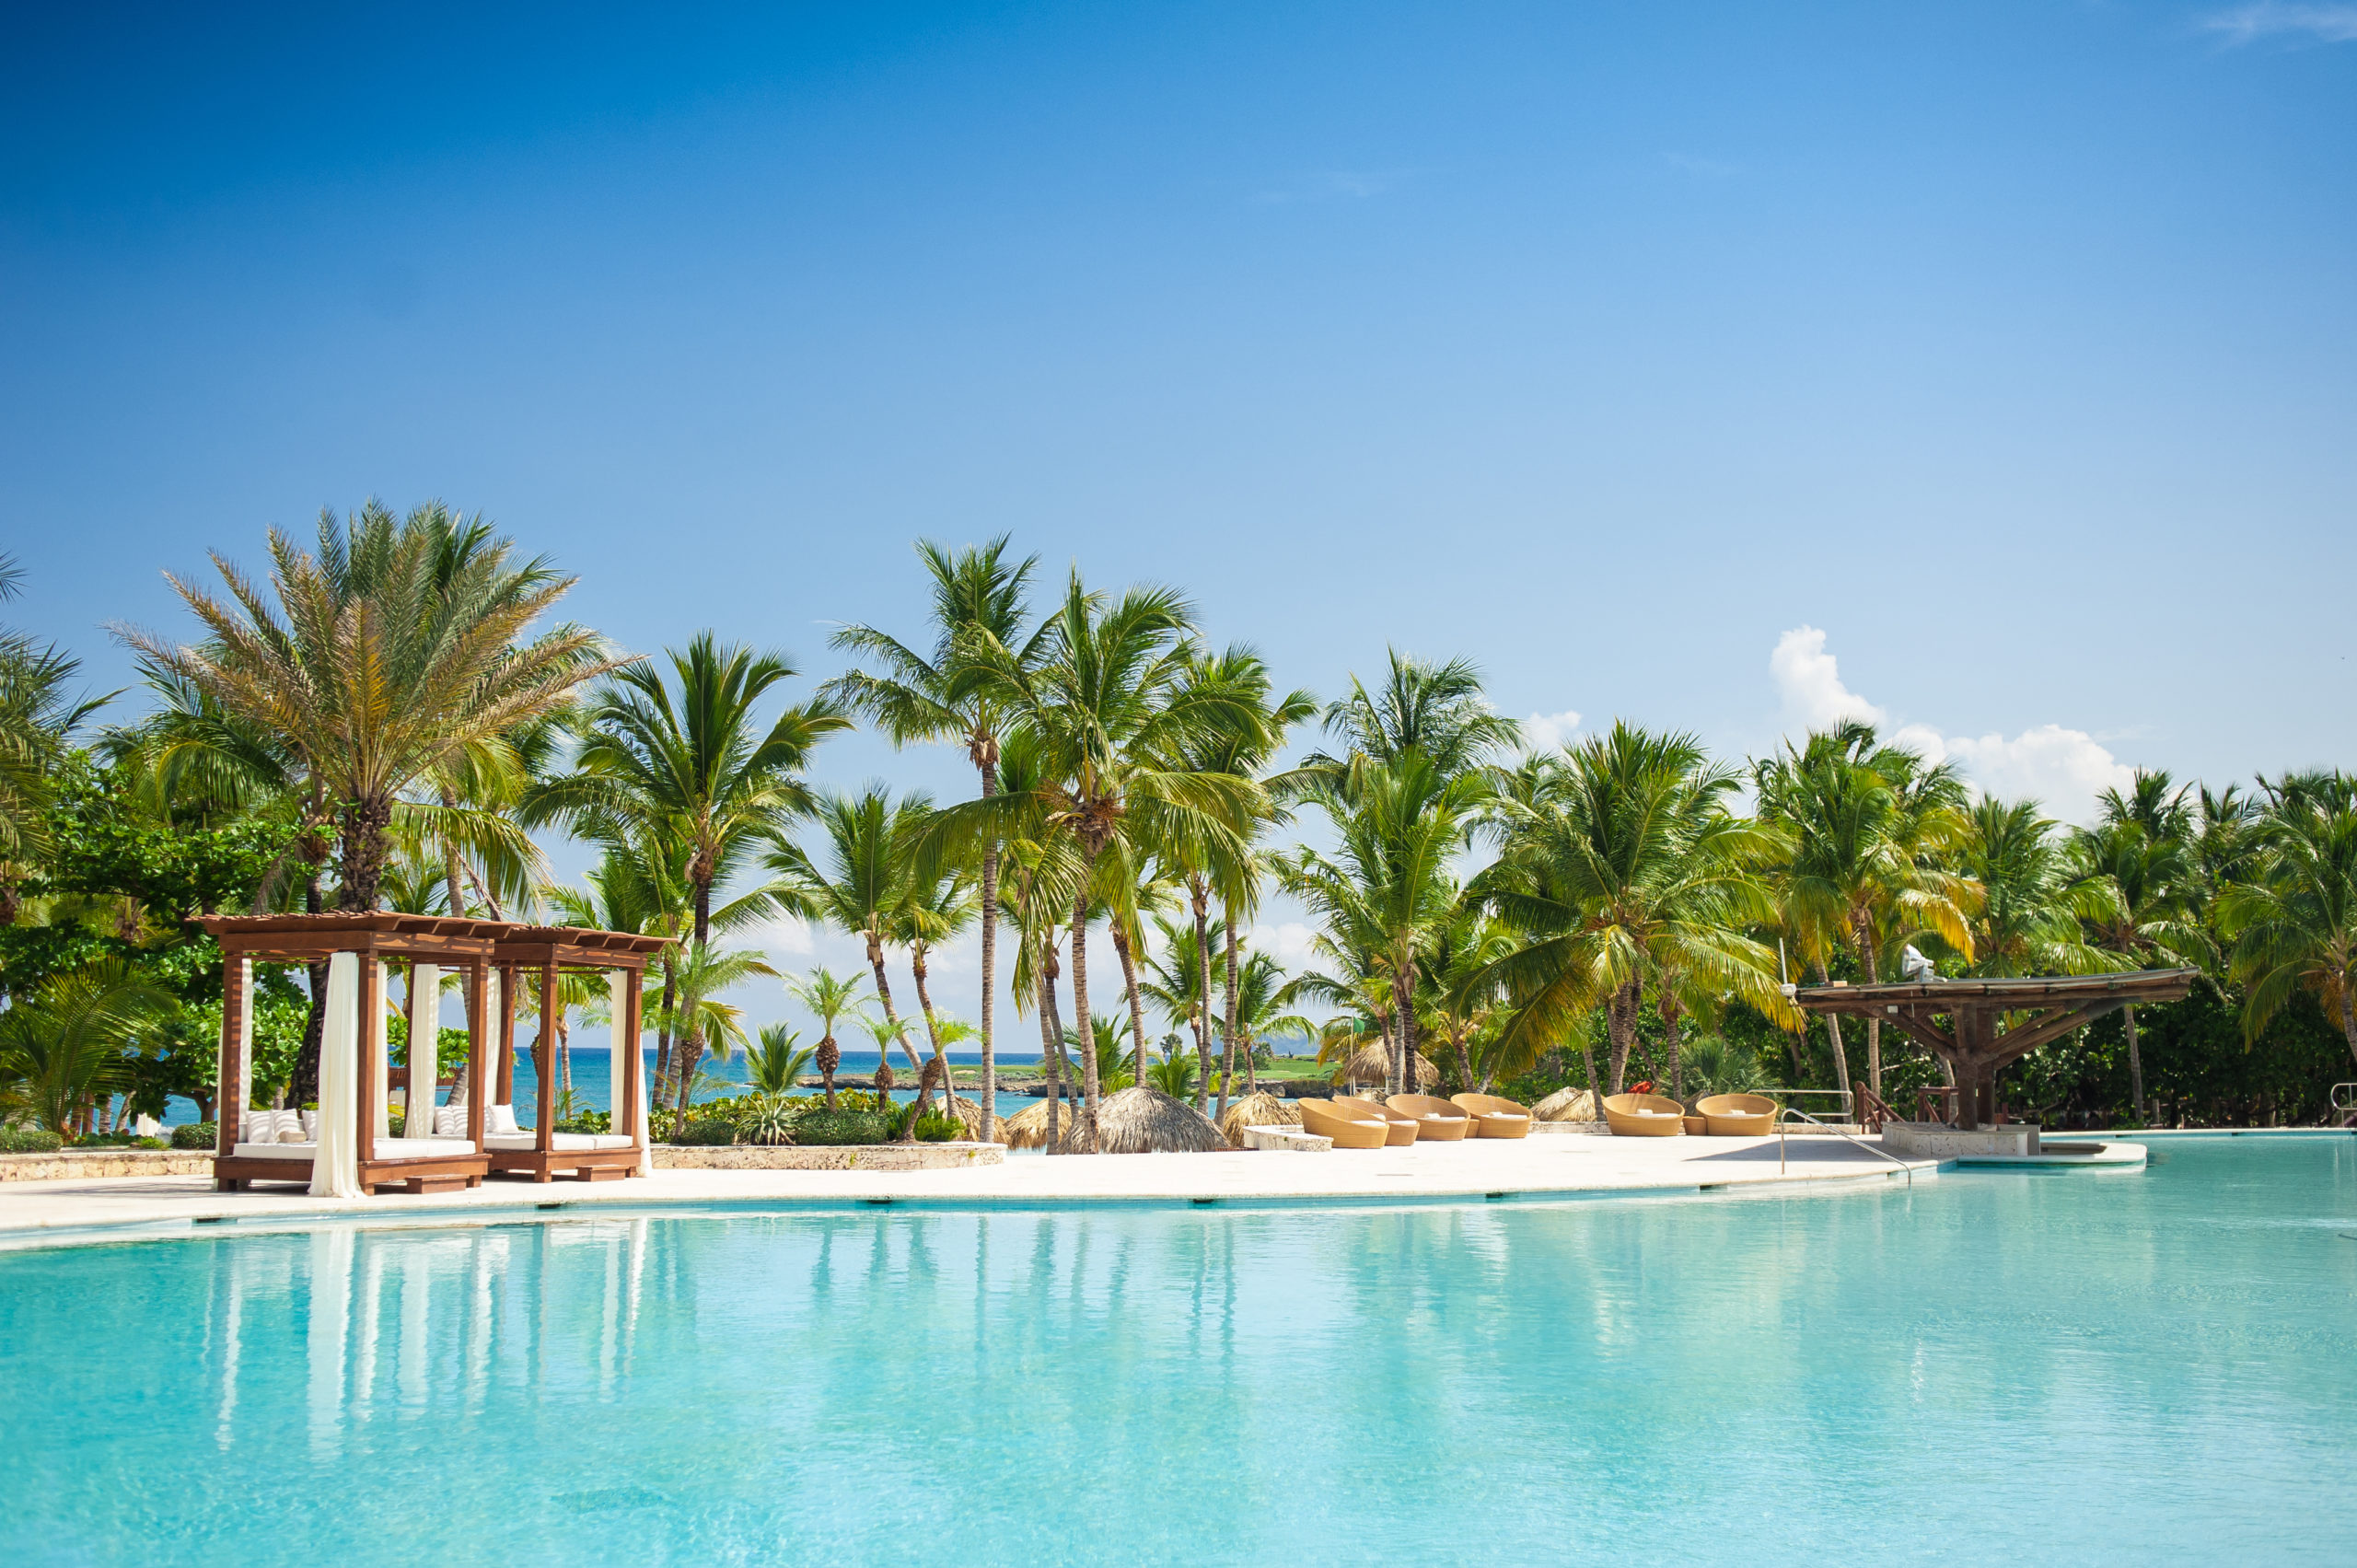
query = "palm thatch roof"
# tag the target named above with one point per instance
(1145, 1121)
(1567, 1104)
(1027, 1128)
(1256, 1109)
(1370, 1064)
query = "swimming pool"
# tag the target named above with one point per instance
(2145, 1366)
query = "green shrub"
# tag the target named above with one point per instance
(934, 1127)
(197, 1135)
(838, 1127)
(709, 1131)
(589, 1122)
(770, 1123)
(29, 1140)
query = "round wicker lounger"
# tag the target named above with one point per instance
(1353, 1124)
(1738, 1116)
(1437, 1121)
(1495, 1115)
(1644, 1116)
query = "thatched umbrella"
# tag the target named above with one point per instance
(1143, 1120)
(1027, 1128)
(1256, 1109)
(1371, 1064)
(1567, 1104)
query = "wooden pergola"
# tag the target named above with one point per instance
(372, 938)
(550, 952)
(1978, 1042)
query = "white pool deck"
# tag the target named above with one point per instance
(1474, 1170)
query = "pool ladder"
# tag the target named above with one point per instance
(1783, 1118)
(2344, 1105)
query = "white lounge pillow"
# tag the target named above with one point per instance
(499, 1118)
(272, 1126)
(253, 1127)
(309, 1121)
(290, 1135)
(450, 1121)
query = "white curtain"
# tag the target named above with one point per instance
(381, 1042)
(625, 1045)
(245, 1035)
(492, 1006)
(425, 1058)
(335, 1169)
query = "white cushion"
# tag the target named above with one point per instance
(309, 1122)
(499, 1118)
(421, 1148)
(275, 1150)
(450, 1121)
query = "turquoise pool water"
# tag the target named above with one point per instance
(2081, 1368)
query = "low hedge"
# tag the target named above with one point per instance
(839, 1127)
(197, 1135)
(29, 1140)
(708, 1131)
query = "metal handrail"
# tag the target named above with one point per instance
(1849, 1102)
(1805, 1116)
(2342, 1106)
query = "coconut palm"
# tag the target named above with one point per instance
(2141, 852)
(1435, 710)
(1627, 865)
(1388, 885)
(696, 1017)
(37, 716)
(2293, 926)
(1108, 705)
(832, 998)
(2033, 916)
(63, 1048)
(373, 668)
(776, 1059)
(872, 849)
(1865, 825)
(978, 617)
(698, 767)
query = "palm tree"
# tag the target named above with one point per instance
(1435, 710)
(1462, 998)
(698, 768)
(373, 668)
(978, 625)
(2294, 925)
(37, 717)
(1241, 747)
(2034, 915)
(2142, 855)
(1627, 865)
(872, 850)
(63, 1048)
(1388, 887)
(698, 1018)
(777, 1058)
(832, 998)
(1108, 706)
(1866, 824)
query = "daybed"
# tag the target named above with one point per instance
(1437, 1121)
(1644, 1116)
(1495, 1115)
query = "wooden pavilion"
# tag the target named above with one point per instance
(323, 1156)
(549, 953)
(1976, 1042)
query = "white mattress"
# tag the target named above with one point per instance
(564, 1142)
(387, 1149)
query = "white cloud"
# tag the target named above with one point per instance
(1287, 942)
(788, 936)
(1544, 732)
(2063, 768)
(2272, 19)
(1810, 684)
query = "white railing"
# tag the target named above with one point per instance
(1783, 1115)
(2344, 1101)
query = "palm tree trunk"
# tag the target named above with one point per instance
(1621, 1022)
(1227, 1068)
(1874, 1026)
(990, 966)
(1051, 1042)
(660, 1098)
(1080, 1007)
(1405, 1079)
(365, 839)
(1833, 1031)
(303, 1084)
(453, 879)
(884, 994)
(2348, 1016)
(2136, 1063)
(1202, 900)
(1670, 1013)
(1121, 950)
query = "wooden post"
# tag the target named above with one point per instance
(506, 1036)
(372, 1018)
(543, 1060)
(634, 1069)
(230, 1102)
(478, 1027)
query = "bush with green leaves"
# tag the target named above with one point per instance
(29, 1140)
(197, 1135)
(588, 1121)
(822, 1127)
(708, 1131)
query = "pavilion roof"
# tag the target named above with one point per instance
(2005, 993)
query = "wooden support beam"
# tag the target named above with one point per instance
(544, 1060)
(478, 1028)
(229, 1099)
(372, 1021)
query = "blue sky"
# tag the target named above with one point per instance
(1723, 366)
